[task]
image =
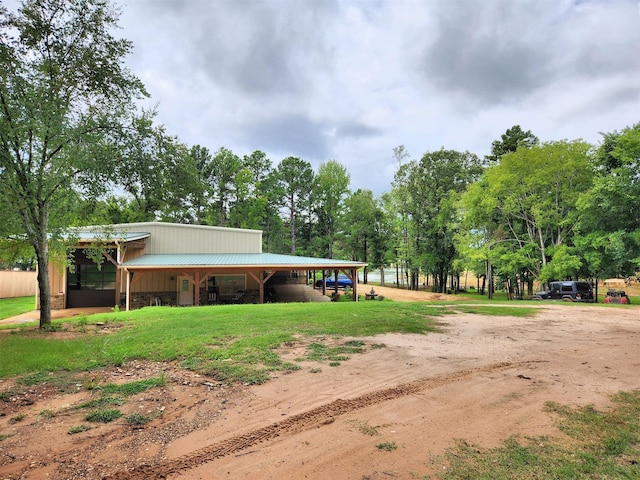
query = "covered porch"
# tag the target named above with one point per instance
(202, 279)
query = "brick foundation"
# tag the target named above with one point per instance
(147, 299)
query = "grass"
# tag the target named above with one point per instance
(103, 415)
(229, 343)
(10, 307)
(604, 444)
(78, 429)
(138, 419)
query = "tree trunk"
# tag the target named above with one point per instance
(292, 225)
(41, 246)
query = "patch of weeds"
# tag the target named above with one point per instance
(365, 428)
(78, 429)
(315, 370)
(286, 367)
(228, 372)
(62, 381)
(47, 414)
(106, 401)
(334, 364)
(5, 396)
(17, 418)
(138, 419)
(319, 352)
(133, 388)
(92, 383)
(3, 437)
(34, 379)
(386, 446)
(376, 346)
(499, 311)
(103, 416)
(52, 327)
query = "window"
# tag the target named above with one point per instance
(89, 277)
(230, 284)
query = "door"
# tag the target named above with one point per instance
(185, 291)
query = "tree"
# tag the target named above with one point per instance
(509, 142)
(609, 227)
(225, 166)
(156, 171)
(330, 187)
(252, 207)
(364, 229)
(295, 178)
(63, 89)
(198, 196)
(528, 200)
(433, 186)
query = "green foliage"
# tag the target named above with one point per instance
(427, 193)
(523, 212)
(510, 141)
(609, 226)
(103, 416)
(294, 182)
(103, 401)
(138, 419)
(319, 352)
(78, 429)
(387, 446)
(365, 228)
(329, 191)
(133, 388)
(65, 93)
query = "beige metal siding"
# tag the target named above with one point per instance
(17, 284)
(152, 282)
(175, 238)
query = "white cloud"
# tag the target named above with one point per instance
(351, 79)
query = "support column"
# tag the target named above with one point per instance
(128, 294)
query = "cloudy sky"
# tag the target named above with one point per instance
(351, 80)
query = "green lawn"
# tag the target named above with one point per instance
(10, 307)
(230, 342)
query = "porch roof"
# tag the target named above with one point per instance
(267, 261)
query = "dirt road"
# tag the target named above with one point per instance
(483, 379)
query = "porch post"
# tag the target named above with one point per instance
(354, 280)
(128, 294)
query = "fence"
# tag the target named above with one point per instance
(14, 283)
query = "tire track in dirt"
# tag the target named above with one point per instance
(316, 417)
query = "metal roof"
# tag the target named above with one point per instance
(235, 260)
(86, 236)
(110, 236)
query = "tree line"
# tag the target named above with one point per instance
(76, 150)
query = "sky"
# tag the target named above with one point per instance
(350, 80)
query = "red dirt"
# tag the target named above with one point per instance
(482, 380)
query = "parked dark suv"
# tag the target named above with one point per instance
(567, 291)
